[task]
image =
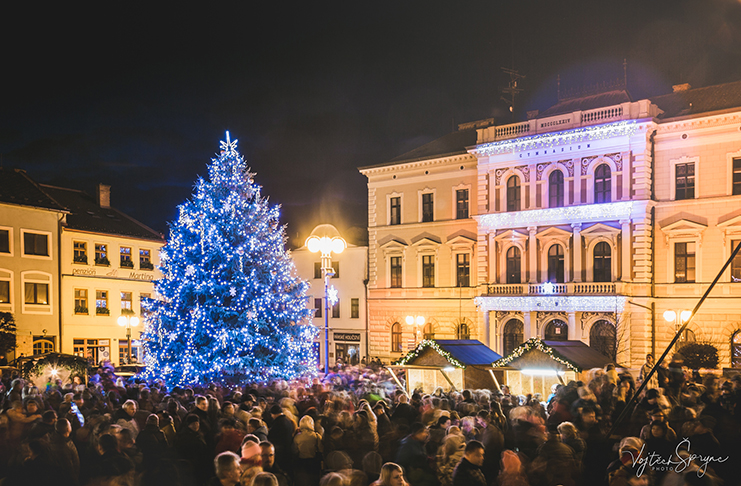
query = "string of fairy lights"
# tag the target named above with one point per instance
(229, 305)
(531, 344)
(429, 343)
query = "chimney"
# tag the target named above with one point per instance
(104, 195)
(681, 87)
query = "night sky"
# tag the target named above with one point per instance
(139, 96)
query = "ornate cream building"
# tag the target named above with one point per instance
(586, 222)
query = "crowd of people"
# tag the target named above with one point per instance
(355, 427)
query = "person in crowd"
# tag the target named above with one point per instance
(413, 458)
(267, 456)
(228, 470)
(453, 449)
(307, 450)
(391, 475)
(468, 471)
(281, 436)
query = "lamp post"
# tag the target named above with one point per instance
(417, 321)
(678, 318)
(128, 322)
(326, 239)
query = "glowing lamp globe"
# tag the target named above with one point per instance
(685, 315)
(670, 316)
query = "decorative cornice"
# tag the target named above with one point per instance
(391, 167)
(543, 303)
(586, 213)
(548, 140)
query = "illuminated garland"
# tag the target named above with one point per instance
(535, 343)
(429, 343)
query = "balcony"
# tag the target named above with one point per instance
(542, 289)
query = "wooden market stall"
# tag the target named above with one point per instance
(451, 364)
(536, 365)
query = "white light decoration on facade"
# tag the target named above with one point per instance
(586, 213)
(547, 140)
(547, 288)
(552, 303)
(333, 295)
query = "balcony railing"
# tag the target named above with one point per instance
(572, 288)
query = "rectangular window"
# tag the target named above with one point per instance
(736, 176)
(35, 244)
(126, 303)
(336, 310)
(336, 269)
(123, 351)
(86, 348)
(684, 262)
(80, 252)
(101, 302)
(318, 307)
(142, 299)
(736, 263)
(4, 241)
(37, 293)
(428, 270)
(685, 181)
(4, 292)
(101, 254)
(317, 269)
(395, 272)
(463, 269)
(395, 208)
(145, 261)
(461, 204)
(81, 301)
(354, 308)
(126, 261)
(427, 208)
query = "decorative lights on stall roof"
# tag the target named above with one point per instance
(529, 345)
(566, 137)
(429, 343)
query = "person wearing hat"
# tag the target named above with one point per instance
(191, 446)
(412, 457)
(658, 415)
(151, 442)
(281, 436)
(621, 470)
(251, 461)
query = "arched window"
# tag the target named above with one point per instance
(602, 184)
(513, 265)
(43, 346)
(463, 332)
(736, 350)
(602, 262)
(514, 335)
(428, 332)
(556, 330)
(555, 189)
(396, 338)
(555, 264)
(513, 193)
(603, 339)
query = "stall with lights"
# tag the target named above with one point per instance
(52, 368)
(454, 364)
(536, 365)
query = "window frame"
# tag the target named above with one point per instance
(6, 275)
(462, 267)
(79, 299)
(397, 340)
(101, 261)
(355, 308)
(510, 275)
(427, 206)
(145, 263)
(318, 310)
(458, 201)
(79, 259)
(561, 266)
(731, 158)
(49, 244)
(515, 198)
(560, 194)
(38, 277)
(130, 300)
(396, 272)
(607, 268)
(430, 265)
(605, 182)
(686, 255)
(317, 270)
(10, 251)
(390, 198)
(106, 299)
(336, 309)
(735, 263)
(121, 255)
(673, 177)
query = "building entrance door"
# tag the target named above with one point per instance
(347, 353)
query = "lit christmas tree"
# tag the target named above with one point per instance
(230, 308)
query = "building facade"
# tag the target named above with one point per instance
(70, 266)
(591, 220)
(348, 322)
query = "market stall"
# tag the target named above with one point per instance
(43, 369)
(536, 365)
(451, 364)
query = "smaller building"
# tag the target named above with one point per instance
(449, 364)
(348, 331)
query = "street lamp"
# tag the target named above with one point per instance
(419, 321)
(128, 322)
(326, 239)
(678, 318)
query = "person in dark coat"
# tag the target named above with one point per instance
(112, 463)
(257, 428)
(64, 451)
(555, 463)
(468, 472)
(45, 426)
(281, 436)
(191, 446)
(404, 412)
(152, 442)
(413, 458)
(267, 453)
